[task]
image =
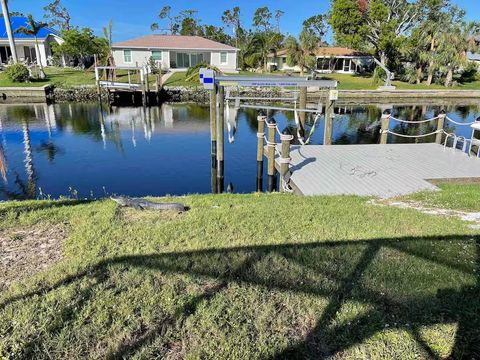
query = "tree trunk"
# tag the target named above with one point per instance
(39, 59)
(383, 58)
(448, 80)
(430, 74)
(419, 75)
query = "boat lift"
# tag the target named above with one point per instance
(218, 97)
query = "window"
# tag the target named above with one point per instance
(157, 55)
(127, 56)
(223, 57)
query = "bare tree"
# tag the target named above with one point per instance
(57, 15)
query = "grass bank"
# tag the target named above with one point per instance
(241, 276)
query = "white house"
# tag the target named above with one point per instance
(329, 60)
(175, 52)
(25, 44)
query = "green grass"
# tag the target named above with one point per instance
(61, 77)
(245, 277)
(464, 197)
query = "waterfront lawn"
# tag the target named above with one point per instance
(58, 76)
(239, 276)
(465, 197)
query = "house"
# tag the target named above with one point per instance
(25, 44)
(175, 52)
(328, 60)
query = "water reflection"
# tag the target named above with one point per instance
(163, 150)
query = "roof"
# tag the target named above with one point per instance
(173, 42)
(473, 56)
(18, 21)
(327, 51)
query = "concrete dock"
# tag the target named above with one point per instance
(376, 170)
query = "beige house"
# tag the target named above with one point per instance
(328, 60)
(175, 52)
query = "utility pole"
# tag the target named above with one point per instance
(8, 26)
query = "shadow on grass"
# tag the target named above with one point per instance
(342, 271)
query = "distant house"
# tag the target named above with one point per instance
(25, 44)
(328, 60)
(175, 52)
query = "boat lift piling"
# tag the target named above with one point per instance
(216, 85)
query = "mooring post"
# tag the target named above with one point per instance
(302, 105)
(260, 146)
(328, 129)
(271, 144)
(385, 124)
(220, 122)
(286, 138)
(97, 78)
(440, 124)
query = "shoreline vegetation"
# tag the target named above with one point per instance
(69, 77)
(233, 278)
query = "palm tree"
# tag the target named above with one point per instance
(32, 29)
(301, 53)
(110, 61)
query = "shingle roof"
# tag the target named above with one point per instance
(173, 42)
(328, 51)
(18, 21)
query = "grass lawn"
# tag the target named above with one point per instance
(239, 277)
(346, 82)
(61, 77)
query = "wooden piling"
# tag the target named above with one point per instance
(385, 124)
(272, 129)
(302, 105)
(286, 138)
(440, 124)
(220, 138)
(328, 129)
(260, 146)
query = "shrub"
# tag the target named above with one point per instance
(192, 74)
(17, 73)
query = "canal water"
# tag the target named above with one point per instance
(85, 151)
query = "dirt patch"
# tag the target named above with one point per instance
(471, 217)
(24, 252)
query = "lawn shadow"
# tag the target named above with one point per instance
(20, 207)
(345, 266)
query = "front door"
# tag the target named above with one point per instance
(347, 65)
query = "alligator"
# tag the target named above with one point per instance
(142, 204)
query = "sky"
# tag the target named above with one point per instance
(133, 18)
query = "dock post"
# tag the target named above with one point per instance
(260, 145)
(213, 137)
(440, 124)
(385, 123)
(220, 138)
(97, 79)
(286, 138)
(271, 144)
(328, 130)
(302, 105)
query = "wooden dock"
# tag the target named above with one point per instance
(376, 170)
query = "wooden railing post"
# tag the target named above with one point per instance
(272, 129)
(385, 124)
(260, 145)
(440, 124)
(286, 138)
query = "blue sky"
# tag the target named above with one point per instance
(133, 18)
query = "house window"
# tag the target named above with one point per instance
(223, 57)
(157, 55)
(127, 56)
